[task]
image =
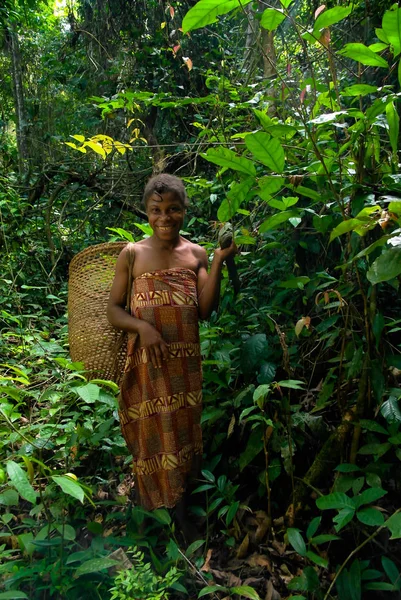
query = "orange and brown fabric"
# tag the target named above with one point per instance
(160, 409)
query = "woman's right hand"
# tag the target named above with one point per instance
(152, 341)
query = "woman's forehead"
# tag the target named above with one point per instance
(164, 198)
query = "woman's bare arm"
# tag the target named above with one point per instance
(209, 283)
(149, 337)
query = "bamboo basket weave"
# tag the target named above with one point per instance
(93, 341)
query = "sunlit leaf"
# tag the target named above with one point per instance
(229, 159)
(19, 480)
(363, 54)
(330, 17)
(70, 487)
(267, 150)
(392, 29)
(386, 266)
(206, 12)
(272, 18)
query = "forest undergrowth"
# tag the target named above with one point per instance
(295, 143)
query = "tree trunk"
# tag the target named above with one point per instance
(19, 100)
(259, 44)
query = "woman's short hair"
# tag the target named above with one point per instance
(163, 183)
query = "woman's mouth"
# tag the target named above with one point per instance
(169, 228)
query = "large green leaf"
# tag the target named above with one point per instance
(336, 500)
(391, 25)
(253, 352)
(223, 157)
(70, 487)
(386, 266)
(278, 219)
(89, 392)
(345, 227)
(12, 595)
(297, 541)
(253, 447)
(394, 524)
(20, 481)
(359, 89)
(330, 17)
(94, 565)
(363, 54)
(266, 149)
(245, 591)
(206, 12)
(235, 198)
(393, 121)
(370, 516)
(272, 18)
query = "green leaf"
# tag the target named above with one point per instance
(385, 267)
(235, 198)
(69, 486)
(363, 54)
(245, 591)
(12, 595)
(276, 220)
(232, 511)
(208, 476)
(260, 394)
(324, 538)
(210, 589)
(293, 384)
(313, 527)
(317, 559)
(345, 227)
(391, 25)
(360, 89)
(393, 121)
(372, 426)
(206, 12)
(194, 547)
(330, 17)
(296, 540)
(253, 448)
(336, 500)
(272, 18)
(89, 392)
(253, 352)
(391, 411)
(269, 185)
(20, 481)
(343, 518)
(307, 582)
(347, 468)
(9, 498)
(391, 570)
(223, 157)
(394, 524)
(370, 516)
(94, 565)
(267, 150)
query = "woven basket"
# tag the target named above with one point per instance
(93, 341)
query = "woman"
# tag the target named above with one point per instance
(161, 396)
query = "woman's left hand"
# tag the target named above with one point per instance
(222, 255)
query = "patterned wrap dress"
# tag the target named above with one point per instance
(160, 408)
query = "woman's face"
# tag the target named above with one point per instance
(166, 215)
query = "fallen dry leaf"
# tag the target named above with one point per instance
(243, 548)
(259, 560)
(205, 568)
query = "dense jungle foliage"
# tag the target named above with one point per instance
(281, 118)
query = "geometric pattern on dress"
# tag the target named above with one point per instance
(162, 405)
(167, 462)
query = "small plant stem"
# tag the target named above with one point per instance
(355, 551)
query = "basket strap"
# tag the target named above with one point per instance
(130, 261)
